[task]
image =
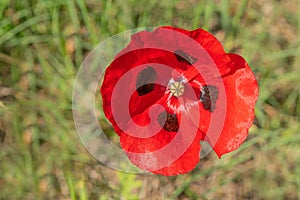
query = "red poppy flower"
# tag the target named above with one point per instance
(169, 89)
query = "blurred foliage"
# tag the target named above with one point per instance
(42, 44)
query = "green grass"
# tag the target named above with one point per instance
(42, 44)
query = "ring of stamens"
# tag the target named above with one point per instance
(176, 89)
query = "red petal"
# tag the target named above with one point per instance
(242, 92)
(209, 121)
(129, 63)
(186, 162)
(136, 42)
(214, 49)
(166, 153)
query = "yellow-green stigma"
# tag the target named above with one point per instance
(177, 89)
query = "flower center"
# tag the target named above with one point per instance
(177, 89)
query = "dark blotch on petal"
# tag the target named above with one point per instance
(209, 96)
(145, 81)
(184, 57)
(168, 121)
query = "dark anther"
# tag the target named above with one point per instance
(145, 81)
(168, 121)
(184, 57)
(209, 96)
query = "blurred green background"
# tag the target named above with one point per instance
(42, 44)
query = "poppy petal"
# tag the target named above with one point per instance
(175, 153)
(125, 64)
(242, 92)
(214, 48)
(186, 162)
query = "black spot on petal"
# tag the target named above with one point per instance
(168, 121)
(184, 57)
(208, 97)
(145, 81)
